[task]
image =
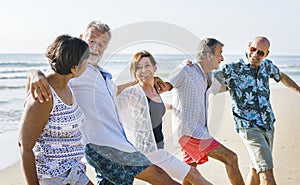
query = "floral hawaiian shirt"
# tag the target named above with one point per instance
(249, 91)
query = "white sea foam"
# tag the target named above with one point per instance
(9, 149)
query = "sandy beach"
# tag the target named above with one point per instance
(286, 105)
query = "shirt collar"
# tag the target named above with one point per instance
(246, 59)
(200, 67)
(208, 76)
(104, 72)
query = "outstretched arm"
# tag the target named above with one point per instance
(288, 82)
(162, 86)
(124, 86)
(38, 86)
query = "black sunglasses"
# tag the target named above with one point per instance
(259, 52)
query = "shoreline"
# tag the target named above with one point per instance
(286, 107)
(9, 141)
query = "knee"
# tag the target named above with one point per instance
(155, 169)
(232, 158)
(192, 176)
(153, 174)
(193, 172)
(267, 176)
(195, 177)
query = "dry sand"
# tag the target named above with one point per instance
(286, 105)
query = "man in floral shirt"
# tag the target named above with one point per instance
(247, 80)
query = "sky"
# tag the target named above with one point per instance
(29, 26)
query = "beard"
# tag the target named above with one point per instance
(94, 59)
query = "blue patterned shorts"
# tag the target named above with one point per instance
(117, 167)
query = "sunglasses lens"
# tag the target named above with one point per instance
(252, 49)
(259, 52)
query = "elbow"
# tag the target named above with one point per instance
(21, 147)
(24, 148)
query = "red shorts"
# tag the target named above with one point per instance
(195, 150)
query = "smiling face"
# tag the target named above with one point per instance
(145, 70)
(258, 50)
(98, 43)
(142, 65)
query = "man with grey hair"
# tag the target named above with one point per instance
(192, 85)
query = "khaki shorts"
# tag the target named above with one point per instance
(259, 144)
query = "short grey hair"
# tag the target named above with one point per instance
(205, 46)
(99, 26)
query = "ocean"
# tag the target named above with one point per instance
(15, 67)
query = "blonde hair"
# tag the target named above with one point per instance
(137, 57)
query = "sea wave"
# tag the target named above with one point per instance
(295, 65)
(12, 77)
(17, 69)
(10, 120)
(2, 87)
(22, 64)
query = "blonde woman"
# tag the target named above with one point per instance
(142, 110)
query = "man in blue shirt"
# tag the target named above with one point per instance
(247, 80)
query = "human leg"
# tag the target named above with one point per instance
(156, 176)
(263, 178)
(194, 177)
(230, 160)
(267, 178)
(196, 151)
(252, 178)
(176, 168)
(186, 181)
(259, 144)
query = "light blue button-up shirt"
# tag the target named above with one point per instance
(96, 97)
